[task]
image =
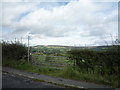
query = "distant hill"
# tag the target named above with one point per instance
(74, 47)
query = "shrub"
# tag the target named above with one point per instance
(14, 51)
(101, 62)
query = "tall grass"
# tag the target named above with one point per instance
(70, 73)
(103, 65)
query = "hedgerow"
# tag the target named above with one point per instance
(14, 51)
(101, 62)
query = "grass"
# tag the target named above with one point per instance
(58, 62)
(20, 64)
(67, 72)
(40, 58)
(70, 73)
(27, 66)
(59, 84)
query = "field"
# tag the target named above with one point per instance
(52, 57)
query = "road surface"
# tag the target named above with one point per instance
(13, 81)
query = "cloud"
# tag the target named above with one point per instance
(81, 19)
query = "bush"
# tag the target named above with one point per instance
(101, 62)
(14, 51)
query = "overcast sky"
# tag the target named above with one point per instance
(80, 22)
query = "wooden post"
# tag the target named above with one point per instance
(28, 49)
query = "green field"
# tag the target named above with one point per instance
(58, 62)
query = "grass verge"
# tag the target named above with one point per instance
(68, 73)
(60, 84)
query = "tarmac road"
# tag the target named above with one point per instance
(13, 81)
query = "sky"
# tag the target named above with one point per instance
(53, 22)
